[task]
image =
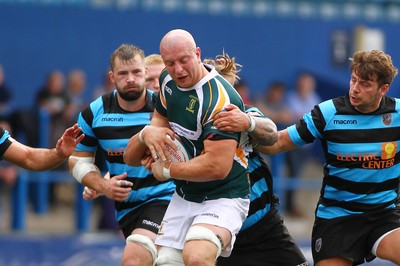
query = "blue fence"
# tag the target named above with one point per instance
(39, 183)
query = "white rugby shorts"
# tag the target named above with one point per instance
(181, 214)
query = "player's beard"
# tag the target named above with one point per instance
(130, 95)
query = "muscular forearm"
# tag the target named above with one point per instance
(283, 144)
(38, 159)
(134, 151)
(265, 132)
(211, 165)
(201, 169)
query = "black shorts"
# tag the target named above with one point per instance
(352, 236)
(147, 217)
(268, 242)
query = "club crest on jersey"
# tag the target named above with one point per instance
(318, 244)
(192, 104)
(387, 119)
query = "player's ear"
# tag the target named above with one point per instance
(385, 89)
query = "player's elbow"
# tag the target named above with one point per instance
(219, 170)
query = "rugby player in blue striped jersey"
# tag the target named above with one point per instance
(263, 239)
(357, 217)
(108, 123)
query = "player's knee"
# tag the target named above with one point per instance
(203, 233)
(144, 241)
(169, 257)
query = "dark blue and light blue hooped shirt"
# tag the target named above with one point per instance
(109, 127)
(362, 167)
(262, 197)
(5, 141)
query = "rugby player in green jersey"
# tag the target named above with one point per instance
(212, 196)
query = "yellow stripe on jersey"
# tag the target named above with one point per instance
(162, 98)
(209, 103)
(222, 101)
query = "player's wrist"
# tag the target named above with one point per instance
(141, 135)
(252, 123)
(167, 170)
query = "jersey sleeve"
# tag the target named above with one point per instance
(90, 141)
(5, 141)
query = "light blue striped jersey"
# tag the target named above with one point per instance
(362, 167)
(4, 141)
(262, 197)
(109, 127)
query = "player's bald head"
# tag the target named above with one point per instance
(177, 37)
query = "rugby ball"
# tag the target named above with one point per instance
(180, 155)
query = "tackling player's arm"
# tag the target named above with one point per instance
(40, 159)
(82, 167)
(262, 130)
(283, 144)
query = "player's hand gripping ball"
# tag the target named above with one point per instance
(180, 155)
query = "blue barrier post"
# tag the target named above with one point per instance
(83, 210)
(277, 163)
(19, 202)
(41, 187)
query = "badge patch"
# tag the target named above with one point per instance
(387, 119)
(318, 244)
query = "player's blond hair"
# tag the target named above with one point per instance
(225, 65)
(153, 59)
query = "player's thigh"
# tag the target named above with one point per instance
(389, 246)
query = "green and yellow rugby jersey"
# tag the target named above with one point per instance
(190, 112)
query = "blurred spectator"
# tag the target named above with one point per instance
(51, 95)
(273, 104)
(300, 101)
(53, 99)
(154, 65)
(5, 95)
(75, 89)
(244, 91)
(105, 87)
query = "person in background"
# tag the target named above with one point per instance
(273, 104)
(154, 65)
(299, 101)
(244, 91)
(53, 99)
(5, 96)
(106, 86)
(263, 238)
(357, 217)
(108, 123)
(75, 90)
